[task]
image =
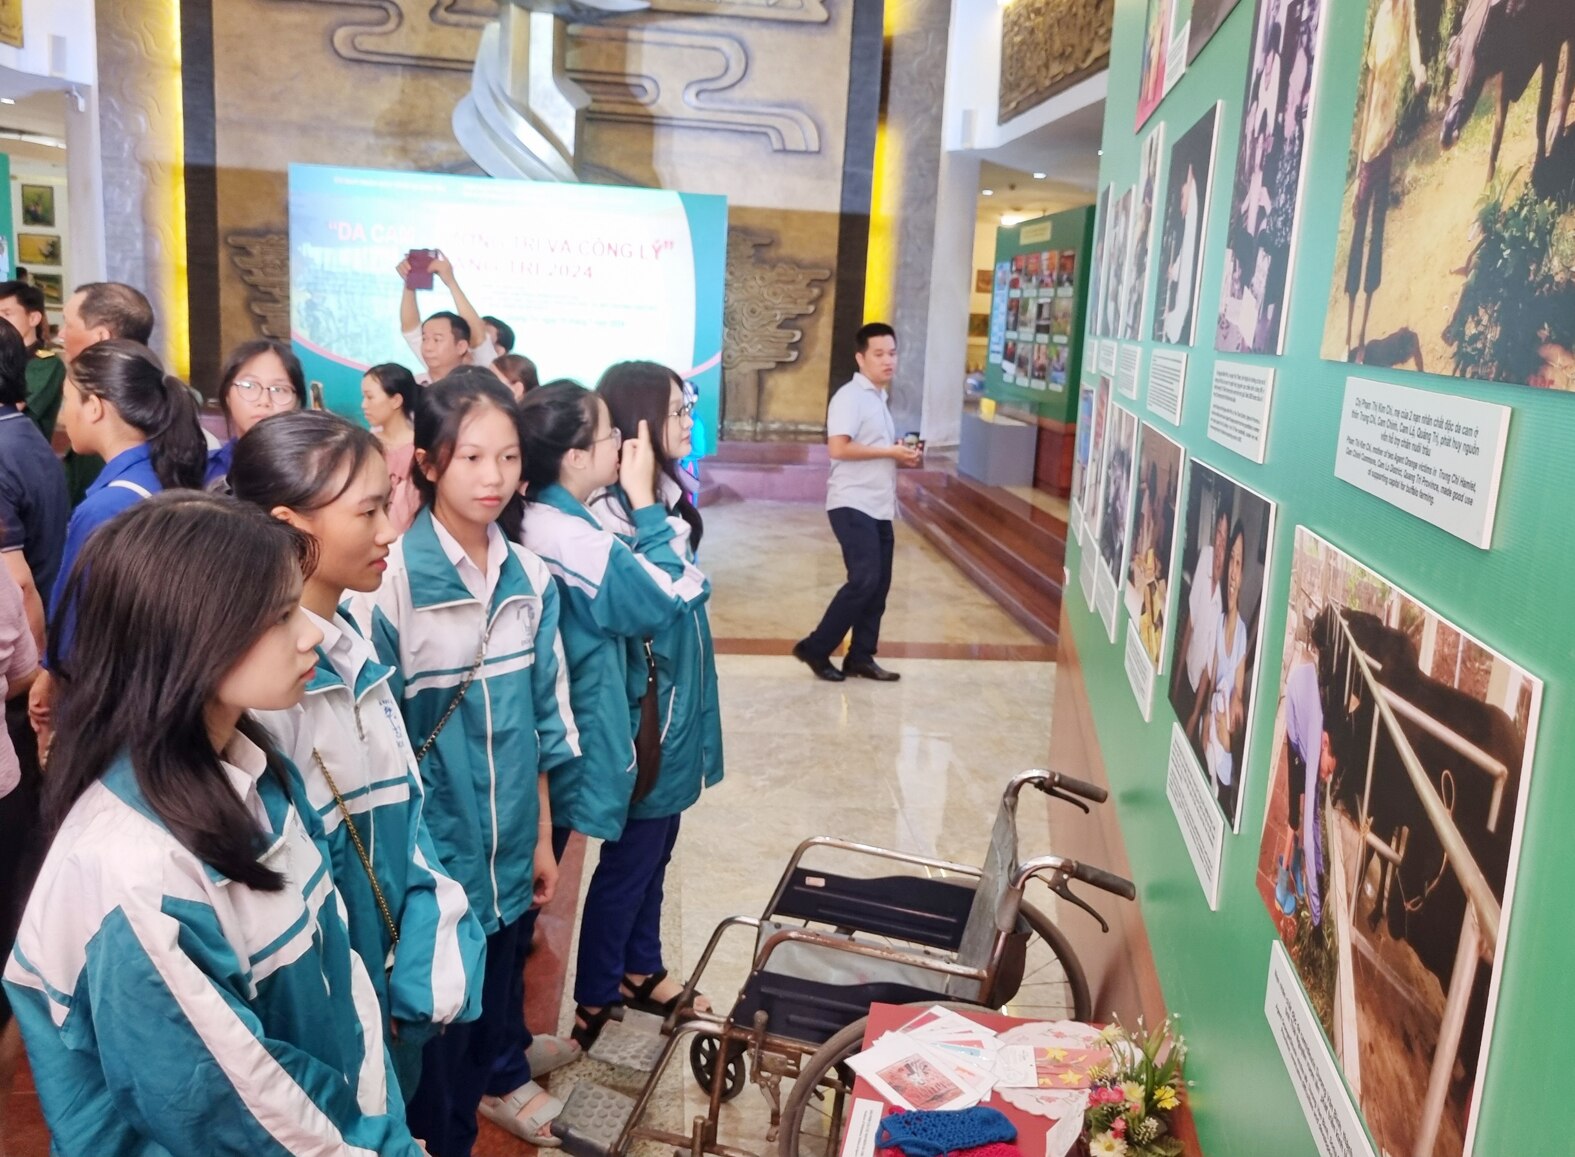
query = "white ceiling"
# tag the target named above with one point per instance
(28, 126)
(1066, 151)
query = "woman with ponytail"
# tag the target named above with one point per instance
(121, 405)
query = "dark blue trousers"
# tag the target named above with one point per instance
(621, 927)
(867, 546)
(457, 1066)
(511, 1069)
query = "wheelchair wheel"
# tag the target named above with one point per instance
(1051, 984)
(703, 1053)
(815, 1110)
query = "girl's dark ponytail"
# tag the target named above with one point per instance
(638, 392)
(129, 377)
(554, 419)
(177, 449)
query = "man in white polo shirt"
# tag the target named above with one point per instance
(861, 502)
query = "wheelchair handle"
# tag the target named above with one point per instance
(1050, 781)
(1108, 881)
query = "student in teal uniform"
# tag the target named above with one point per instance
(616, 595)
(408, 918)
(183, 974)
(470, 623)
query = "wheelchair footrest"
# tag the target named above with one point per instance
(634, 1043)
(592, 1118)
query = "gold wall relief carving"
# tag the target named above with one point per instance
(677, 78)
(261, 258)
(762, 294)
(1049, 45)
(435, 35)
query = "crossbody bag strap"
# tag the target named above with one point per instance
(360, 849)
(464, 686)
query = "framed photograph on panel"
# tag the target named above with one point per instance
(38, 206)
(38, 248)
(52, 287)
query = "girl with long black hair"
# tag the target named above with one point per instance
(122, 406)
(618, 597)
(408, 918)
(470, 623)
(183, 974)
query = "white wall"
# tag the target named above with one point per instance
(58, 46)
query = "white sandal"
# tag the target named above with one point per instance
(504, 1112)
(549, 1053)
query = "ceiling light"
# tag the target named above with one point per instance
(6, 100)
(1039, 176)
(987, 192)
(1101, 152)
(1011, 218)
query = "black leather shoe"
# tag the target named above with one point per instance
(869, 670)
(822, 666)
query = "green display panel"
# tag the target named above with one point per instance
(1214, 962)
(1036, 314)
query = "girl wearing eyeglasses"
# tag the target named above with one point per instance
(618, 596)
(260, 378)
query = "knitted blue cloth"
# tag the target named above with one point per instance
(934, 1132)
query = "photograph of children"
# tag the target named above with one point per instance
(1353, 855)
(1096, 271)
(1061, 318)
(1009, 355)
(1180, 251)
(1058, 363)
(1207, 16)
(1226, 535)
(1089, 499)
(1042, 319)
(1066, 271)
(1115, 500)
(1116, 254)
(1017, 272)
(1023, 357)
(1437, 267)
(1266, 194)
(1013, 304)
(1147, 589)
(1031, 271)
(1156, 48)
(1040, 372)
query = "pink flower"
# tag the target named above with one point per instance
(1119, 1127)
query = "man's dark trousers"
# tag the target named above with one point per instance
(866, 551)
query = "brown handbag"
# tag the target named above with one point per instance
(648, 738)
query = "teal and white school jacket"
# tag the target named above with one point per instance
(615, 596)
(688, 706)
(351, 719)
(513, 724)
(168, 1010)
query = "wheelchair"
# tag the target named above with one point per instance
(829, 945)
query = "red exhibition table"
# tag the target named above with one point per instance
(1031, 1128)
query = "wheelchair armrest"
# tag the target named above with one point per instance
(869, 851)
(686, 997)
(874, 951)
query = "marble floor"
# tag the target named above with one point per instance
(918, 765)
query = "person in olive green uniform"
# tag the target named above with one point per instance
(22, 305)
(96, 312)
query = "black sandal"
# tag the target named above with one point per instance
(639, 995)
(585, 1034)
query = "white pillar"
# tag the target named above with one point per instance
(951, 286)
(85, 260)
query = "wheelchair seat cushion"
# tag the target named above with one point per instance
(826, 965)
(923, 1133)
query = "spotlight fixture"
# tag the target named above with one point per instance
(1039, 176)
(987, 192)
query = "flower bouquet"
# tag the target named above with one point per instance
(1130, 1103)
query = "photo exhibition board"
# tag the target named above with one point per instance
(1498, 579)
(1043, 269)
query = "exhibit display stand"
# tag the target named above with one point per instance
(1315, 599)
